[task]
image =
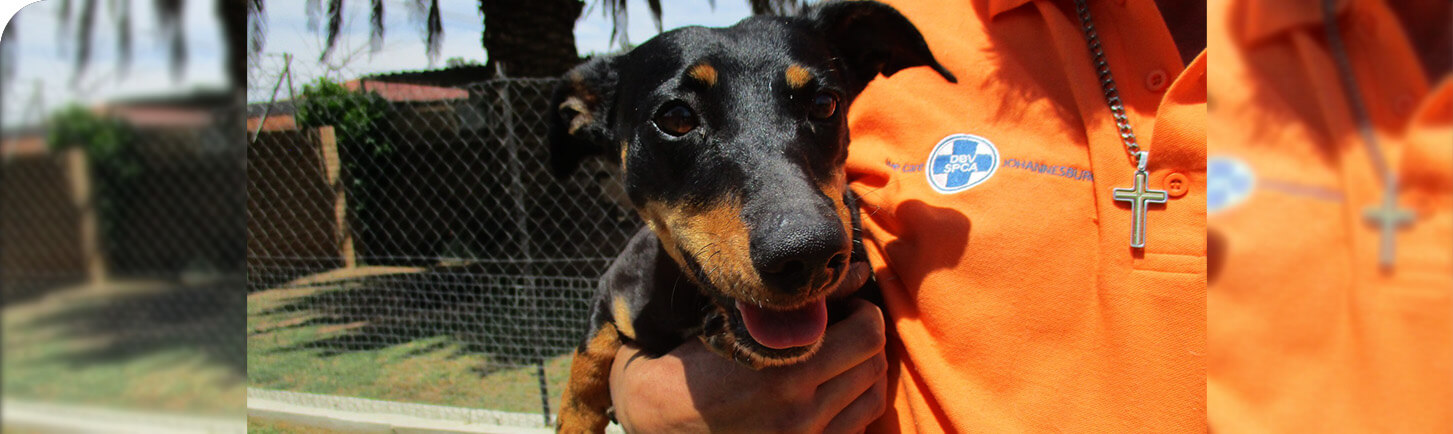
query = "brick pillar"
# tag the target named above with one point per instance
(83, 196)
(332, 168)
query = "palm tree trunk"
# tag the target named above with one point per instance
(530, 38)
(232, 14)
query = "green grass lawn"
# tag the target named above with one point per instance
(424, 369)
(258, 426)
(109, 346)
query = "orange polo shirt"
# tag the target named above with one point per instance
(1015, 299)
(1307, 332)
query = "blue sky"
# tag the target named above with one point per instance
(44, 74)
(45, 70)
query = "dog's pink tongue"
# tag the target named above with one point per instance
(785, 328)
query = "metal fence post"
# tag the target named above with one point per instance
(522, 227)
(472, 248)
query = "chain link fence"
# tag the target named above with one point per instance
(416, 229)
(122, 248)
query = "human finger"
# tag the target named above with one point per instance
(867, 408)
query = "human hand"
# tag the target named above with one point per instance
(842, 388)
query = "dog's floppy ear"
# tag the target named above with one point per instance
(579, 109)
(872, 38)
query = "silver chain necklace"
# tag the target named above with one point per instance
(1139, 196)
(1387, 217)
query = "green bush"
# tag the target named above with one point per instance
(110, 148)
(356, 117)
(363, 141)
(107, 142)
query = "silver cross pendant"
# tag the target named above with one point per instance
(1388, 218)
(1139, 198)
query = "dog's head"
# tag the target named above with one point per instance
(732, 143)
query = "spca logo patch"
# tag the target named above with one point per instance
(960, 162)
(1229, 182)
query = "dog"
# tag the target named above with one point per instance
(732, 143)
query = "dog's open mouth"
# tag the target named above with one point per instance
(781, 329)
(787, 334)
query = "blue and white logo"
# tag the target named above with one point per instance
(1228, 183)
(961, 161)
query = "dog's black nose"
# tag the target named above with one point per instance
(790, 252)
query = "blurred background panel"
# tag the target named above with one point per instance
(408, 251)
(122, 216)
(1330, 216)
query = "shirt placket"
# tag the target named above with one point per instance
(1141, 78)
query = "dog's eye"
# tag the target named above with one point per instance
(823, 106)
(675, 119)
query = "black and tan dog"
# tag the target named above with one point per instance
(732, 143)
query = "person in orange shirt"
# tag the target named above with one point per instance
(1021, 291)
(1331, 218)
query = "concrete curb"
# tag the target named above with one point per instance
(339, 413)
(374, 416)
(87, 419)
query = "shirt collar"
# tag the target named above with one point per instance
(1260, 20)
(1000, 6)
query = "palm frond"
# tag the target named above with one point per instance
(169, 12)
(434, 34)
(620, 27)
(655, 6)
(776, 7)
(257, 21)
(83, 20)
(620, 20)
(335, 25)
(616, 11)
(121, 12)
(63, 28)
(178, 53)
(375, 35)
(83, 40)
(8, 41)
(169, 15)
(314, 11)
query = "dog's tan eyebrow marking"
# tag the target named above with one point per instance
(798, 76)
(704, 73)
(582, 116)
(580, 101)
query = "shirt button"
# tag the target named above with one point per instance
(1156, 80)
(1176, 184)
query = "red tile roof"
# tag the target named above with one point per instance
(393, 92)
(274, 123)
(143, 116)
(26, 145)
(401, 92)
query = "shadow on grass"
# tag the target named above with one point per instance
(132, 323)
(500, 311)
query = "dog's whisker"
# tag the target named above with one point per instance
(708, 259)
